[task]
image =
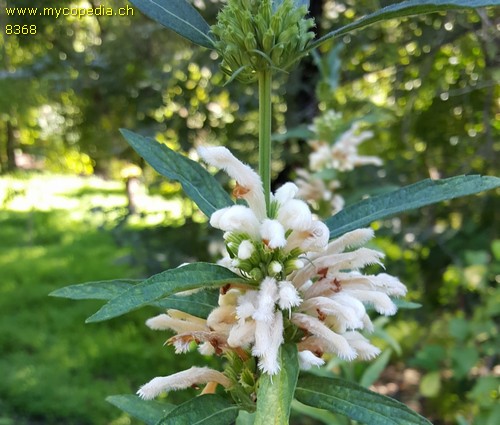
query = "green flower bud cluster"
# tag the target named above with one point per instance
(261, 260)
(256, 35)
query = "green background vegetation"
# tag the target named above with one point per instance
(427, 86)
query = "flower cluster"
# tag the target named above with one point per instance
(257, 35)
(343, 154)
(299, 287)
(333, 151)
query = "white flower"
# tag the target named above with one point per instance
(273, 233)
(268, 361)
(242, 334)
(177, 321)
(245, 250)
(365, 350)
(288, 296)
(292, 272)
(334, 342)
(286, 192)
(249, 183)
(236, 218)
(295, 215)
(181, 380)
(307, 359)
(267, 298)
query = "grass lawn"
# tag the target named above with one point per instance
(54, 369)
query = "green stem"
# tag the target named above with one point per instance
(265, 117)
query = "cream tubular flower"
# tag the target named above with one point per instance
(249, 182)
(268, 361)
(182, 380)
(336, 343)
(267, 298)
(242, 334)
(286, 192)
(307, 360)
(236, 218)
(288, 296)
(273, 233)
(295, 214)
(245, 250)
(365, 350)
(176, 321)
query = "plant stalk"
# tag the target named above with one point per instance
(265, 118)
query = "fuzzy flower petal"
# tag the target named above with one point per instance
(249, 181)
(288, 296)
(286, 192)
(307, 360)
(181, 380)
(273, 233)
(335, 342)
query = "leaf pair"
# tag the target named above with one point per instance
(184, 19)
(274, 401)
(208, 194)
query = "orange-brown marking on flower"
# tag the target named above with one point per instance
(240, 191)
(209, 388)
(225, 288)
(337, 286)
(322, 272)
(321, 315)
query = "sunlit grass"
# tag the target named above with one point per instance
(54, 369)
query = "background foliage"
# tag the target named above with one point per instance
(427, 86)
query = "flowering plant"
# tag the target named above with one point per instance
(332, 154)
(291, 288)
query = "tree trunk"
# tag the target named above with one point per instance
(10, 147)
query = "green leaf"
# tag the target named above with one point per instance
(405, 8)
(275, 393)
(354, 401)
(169, 282)
(179, 16)
(209, 409)
(245, 418)
(416, 195)
(373, 372)
(430, 384)
(99, 290)
(199, 304)
(197, 182)
(405, 305)
(319, 414)
(148, 411)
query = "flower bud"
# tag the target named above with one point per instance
(256, 274)
(268, 40)
(252, 38)
(274, 268)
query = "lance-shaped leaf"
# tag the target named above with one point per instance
(416, 195)
(199, 304)
(210, 409)
(275, 393)
(197, 182)
(161, 285)
(99, 290)
(179, 16)
(354, 401)
(148, 411)
(405, 8)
